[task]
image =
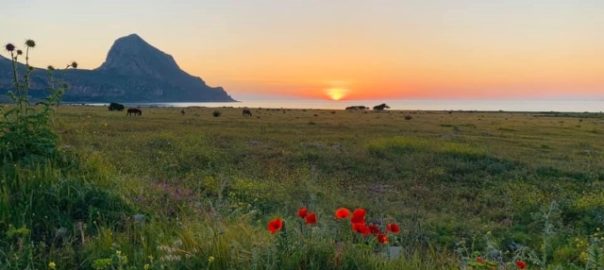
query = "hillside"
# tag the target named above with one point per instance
(134, 71)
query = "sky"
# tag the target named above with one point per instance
(339, 49)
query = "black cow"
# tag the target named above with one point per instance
(356, 108)
(246, 112)
(381, 107)
(115, 107)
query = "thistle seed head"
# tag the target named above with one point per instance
(30, 43)
(9, 47)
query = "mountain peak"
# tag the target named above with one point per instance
(134, 71)
(131, 40)
(132, 55)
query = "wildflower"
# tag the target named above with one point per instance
(480, 260)
(393, 228)
(342, 213)
(275, 225)
(520, 264)
(19, 52)
(211, 259)
(52, 265)
(361, 228)
(73, 64)
(51, 68)
(302, 212)
(382, 238)
(375, 229)
(311, 218)
(30, 43)
(9, 47)
(146, 266)
(358, 216)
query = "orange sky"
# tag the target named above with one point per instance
(352, 49)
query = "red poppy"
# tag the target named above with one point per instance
(480, 260)
(382, 238)
(302, 212)
(358, 216)
(275, 225)
(393, 228)
(361, 228)
(342, 213)
(311, 218)
(375, 229)
(520, 264)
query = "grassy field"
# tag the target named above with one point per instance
(196, 191)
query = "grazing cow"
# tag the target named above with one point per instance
(134, 112)
(182, 111)
(381, 107)
(356, 108)
(115, 107)
(246, 112)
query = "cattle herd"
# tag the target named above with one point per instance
(245, 112)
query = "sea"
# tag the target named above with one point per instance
(516, 105)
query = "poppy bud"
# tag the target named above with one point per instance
(520, 264)
(311, 218)
(382, 238)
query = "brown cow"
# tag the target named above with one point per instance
(134, 112)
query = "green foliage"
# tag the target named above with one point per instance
(51, 201)
(25, 132)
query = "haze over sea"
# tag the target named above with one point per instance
(525, 105)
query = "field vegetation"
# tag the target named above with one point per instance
(83, 187)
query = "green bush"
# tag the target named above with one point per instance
(51, 202)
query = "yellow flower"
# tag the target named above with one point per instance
(52, 265)
(583, 256)
(210, 259)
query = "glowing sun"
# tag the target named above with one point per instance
(336, 93)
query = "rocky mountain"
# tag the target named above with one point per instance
(134, 71)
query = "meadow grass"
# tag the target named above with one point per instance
(195, 191)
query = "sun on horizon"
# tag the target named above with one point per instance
(336, 93)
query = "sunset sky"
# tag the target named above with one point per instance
(348, 49)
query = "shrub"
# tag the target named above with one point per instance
(25, 134)
(216, 113)
(50, 201)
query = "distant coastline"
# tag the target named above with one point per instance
(569, 106)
